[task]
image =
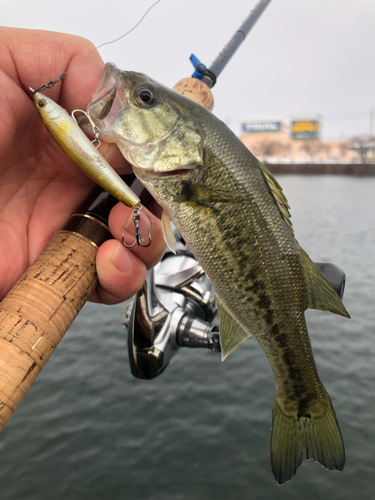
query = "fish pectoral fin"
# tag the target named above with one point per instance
(202, 206)
(169, 237)
(202, 197)
(320, 293)
(213, 194)
(232, 334)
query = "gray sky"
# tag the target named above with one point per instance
(303, 59)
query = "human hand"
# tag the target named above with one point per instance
(39, 185)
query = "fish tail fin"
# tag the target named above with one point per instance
(296, 438)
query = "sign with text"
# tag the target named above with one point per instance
(261, 127)
(305, 129)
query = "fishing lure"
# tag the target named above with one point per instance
(73, 141)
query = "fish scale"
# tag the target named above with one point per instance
(234, 217)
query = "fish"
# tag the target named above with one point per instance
(73, 141)
(235, 218)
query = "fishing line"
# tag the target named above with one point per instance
(114, 41)
(127, 33)
(63, 75)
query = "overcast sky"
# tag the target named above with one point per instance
(303, 58)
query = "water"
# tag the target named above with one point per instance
(88, 430)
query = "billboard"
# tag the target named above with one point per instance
(261, 127)
(305, 129)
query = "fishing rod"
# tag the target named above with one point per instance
(38, 311)
(209, 75)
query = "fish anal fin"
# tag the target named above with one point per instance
(320, 293)
(232, 334)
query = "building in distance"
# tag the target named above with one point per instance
(298, 141)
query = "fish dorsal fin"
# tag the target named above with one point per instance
(169, 237)
(320, 292)
(232, 333)
(278, 195)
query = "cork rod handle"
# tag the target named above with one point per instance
(196, 90)
(37, 312)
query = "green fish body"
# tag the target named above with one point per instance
(235, 218)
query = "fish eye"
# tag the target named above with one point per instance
(41, 103)
(146, 97)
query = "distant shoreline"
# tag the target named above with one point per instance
(360, 169)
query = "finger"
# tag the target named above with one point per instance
(121, 223)
(120, 273)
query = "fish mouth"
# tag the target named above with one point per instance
(107, 100)
(149, 174)
(172, 173)
(103, 104)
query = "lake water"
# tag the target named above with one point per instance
(88, 430)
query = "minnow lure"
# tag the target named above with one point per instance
(73, 141)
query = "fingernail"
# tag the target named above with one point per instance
(145, 228)
(123, 261)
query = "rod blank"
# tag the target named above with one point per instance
(223, 58)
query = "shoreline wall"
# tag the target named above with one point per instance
(362, 169)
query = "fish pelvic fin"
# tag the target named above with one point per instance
(297, 438)
(321, 294)
(232, 334)
(169, 237)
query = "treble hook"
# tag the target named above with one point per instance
(137, 220)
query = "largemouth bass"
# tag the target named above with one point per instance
(235, 218)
